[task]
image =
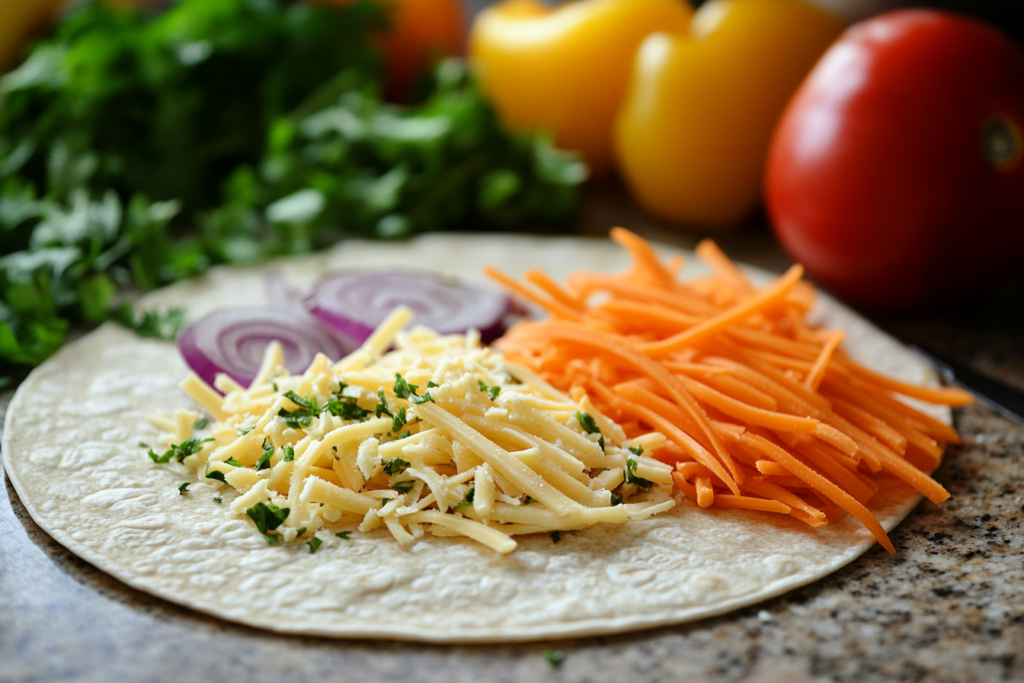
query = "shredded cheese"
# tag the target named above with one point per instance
(440, 435)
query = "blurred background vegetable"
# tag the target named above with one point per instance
(896, 173)
(565, 69)
(693, 132)
(139, 148)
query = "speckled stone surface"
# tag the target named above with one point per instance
(949, 606)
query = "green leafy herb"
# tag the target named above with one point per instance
(201, 423)
(150, 324)
(216, 474)
(300, 401)
(636, 450)
(267, 517)
(527, 500)
(430, 384)
(616, 499)
(394, 466)
(631, 477)
(268, 451)
(385, 501)
(143, 444)
(556, 536)
(403, 486)
(217, 500)
(179, 451)
(300, 531)
(404, 435)
(143, 147)
(233, 462)
(554, 657)
(287, 453)
(398, 421)
(492, 392)
(402, 388)
(344, 535)
(183, 488)
(382, 406)
(345, 407)
(314, 545)
(589, 425)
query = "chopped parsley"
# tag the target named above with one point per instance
(556, 536)
(589, 425)
(636, 450)
(242, 431)
(527, 500)
(233, 462)
(288, 453)
(430, 384)
(183, 489)
(385, 501)
(301, 402)
(382, 407)
(314, 545)
(398, 419)
(143, 444)
(150, 324)
(267, 517)
(217, 500)
(268, 451)
(417, 400)
(404, 435)
(492, 392)
(616, 499)
(395, 466)
(301, 531)
(403, 389)
(554, 657)
(216, 474)
(201, 423)
(179, 451)
(468, 501)
(345, 407)
(403, 486)
(344, 535)
(631, 477)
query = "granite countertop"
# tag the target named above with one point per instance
(949, 606)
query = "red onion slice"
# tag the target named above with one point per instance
(232, 341)
(356, 303)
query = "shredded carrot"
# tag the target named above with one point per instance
(762, 411)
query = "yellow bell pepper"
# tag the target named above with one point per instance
(693, 133)
(565, 69)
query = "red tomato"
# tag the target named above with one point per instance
(896, 173)
(421, 32)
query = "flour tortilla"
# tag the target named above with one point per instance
(71, 450)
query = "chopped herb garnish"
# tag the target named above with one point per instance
(288, 453)
(233, 463)
(216, 474)
(417, 400)
(143, 444)
(344, 535)
(268, 451)
(403, 389)
(527, 500)
(492, 392)
(314, 545)
(616, 499)
(245, 430)
(183, 489)
(201, 423)
(217, 500)
(346, 408)
(385, 501)
(179, 451)
(430, 384)
(556, 536)
(382, 407)
(631, 477)
(404, 435)
(394, 466)
(273, 385)
(300, 401)
(589, 425)
(301, 531)
(636, 450)
(267, 517)
(403, 486)
(554, 657)
(468, 501)
(398, 420)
